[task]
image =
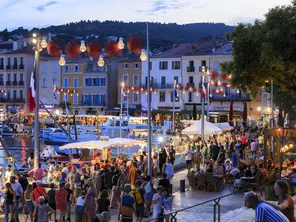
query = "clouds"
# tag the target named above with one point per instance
(42, 7)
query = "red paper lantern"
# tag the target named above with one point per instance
(194, 90)
(213, 74)
(54, 48)
(213, 91)
(186, 88)
(94, 49)
(135, 44)
(180, 87)
(215, 83)
(199, 90)
(72, 49)
(225, 84)
(224, 76)
(111, 48)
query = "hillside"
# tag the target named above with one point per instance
(161, 35)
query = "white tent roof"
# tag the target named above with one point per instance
(195, 128)
(99, 144)
(224, 126)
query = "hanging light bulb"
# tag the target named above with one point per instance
(82, 46)
(62, 60)
(217, 90)
(224, 95)
(34, 41)
(101, 61)
(219, 83)
(143, 55)
(120, 44)
(212, 82)
(184, 92)
(137, 92)
(237, 91)
(43, 43)
(211, 94)
(154, 92)
(196, 94)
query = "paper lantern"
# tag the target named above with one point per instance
(135, 44)
(225, 84)
(94, 49)
(224, 76)
(180, 87)
(72, 49)
(54, 48)
(186, 88)
(111, 48)
(213, 74)
(213, 91)
(194, 90)
(215, 83)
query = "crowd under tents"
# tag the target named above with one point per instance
(196, 128)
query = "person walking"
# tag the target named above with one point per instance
(138, 195)
(162, 157)
(126, 206)
(29, 205)
(90, 202)
(103, 203)
(148, 187)
(42, 210)
(9, 202)
(168, 169)
(51, 199)
(79, 208)
(188, 153)
(61, 200)
(18, 195)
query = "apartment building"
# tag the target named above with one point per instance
(130, 73)
(50, 78)
(16, 66)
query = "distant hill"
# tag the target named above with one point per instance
(161, 35)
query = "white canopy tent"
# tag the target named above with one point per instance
(224, 126)
(195, 128)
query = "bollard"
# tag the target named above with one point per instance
(171, 188)
(182, 186)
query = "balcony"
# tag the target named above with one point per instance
(95, 69)
(190, 69)
(1, 67)
(159, 86)
(91, 103)
(190, 84)
(231, 97)
(21, 66)
(14, 83)
(8, 66)
(8, 83)
(1, 83)
(14, 100)
(21, 83)
(14, 66)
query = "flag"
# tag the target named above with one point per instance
(32, 91)
(54, 93)
(204, 91)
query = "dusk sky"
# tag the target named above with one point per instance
(41, 13)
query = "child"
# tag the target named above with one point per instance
(79, 208)
(168, 204)
(69, 200)
(51, 200)
(157, 200)
(63, 178)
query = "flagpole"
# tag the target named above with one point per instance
(174, 98)
(203, 105)
(149, 105)
(36, 112)
(53, 98)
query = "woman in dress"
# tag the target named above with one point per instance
(96, 176)
(90, 201)
(74, 178)
(9, 201)
(61, 200)
(42, 210)
(132, 173)
(29, 205)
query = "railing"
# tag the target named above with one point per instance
(190, 85)
(231, 97)
(14, 83)
(159, 86)
(2, 67)
(8, 83)
(14, 67)
(95, 69)
(87, 103)
(8, 66)
(190, 69)
(12, 100)
(21, 66)
(21, 83)
(1, 83)
(216, 213)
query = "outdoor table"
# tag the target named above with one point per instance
(246, 181)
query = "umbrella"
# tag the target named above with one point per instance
(231, 114)
(195, 128)
(194, 112)
(245, 115)
(224, 126)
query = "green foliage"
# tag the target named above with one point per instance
(161, 35)
(266, 50)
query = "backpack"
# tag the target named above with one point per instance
(138, 196)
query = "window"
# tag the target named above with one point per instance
(94, 81)
(135, 97)
(136, 80)
(190, 79)
(8, 61)
(66, 82)
(75, 82)
(150, 65)
(191, 64)
(125, 79)
(161, 96)
(163, 65)
(76, 68)
(8, 77)
(176, 79)
(15, 62)
(102, 81)
(176, 64)
(43, 67)
(103, 99)
(21, 94)
(54, 81)
(1, 77)
(44, 83)
(21, 77)
(86, 82)
(176, 97)
(2, 63)
(136, 65)
(14, 94)
(203, 63)
(66, 68)
(189, 96)
(163, 80)
(125, 97)
(125, 65)
(22, 61)
(54, 67)
(66, 97)
(14, 76)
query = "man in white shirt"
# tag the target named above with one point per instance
(18, 193)
(8, 173)
(188, 153)
(254, 149)
(50, 170)
(65, 169)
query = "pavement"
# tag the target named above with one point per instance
(201, 213)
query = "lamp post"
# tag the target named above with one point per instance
(208, 94)
(203, 104)
(174, 98)
(120, 116)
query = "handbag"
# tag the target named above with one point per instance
(126, 211)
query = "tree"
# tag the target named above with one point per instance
(266, 50)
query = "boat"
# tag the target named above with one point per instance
(15, 129)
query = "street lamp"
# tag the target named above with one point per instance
(120, 44)
(62, 60)
(144, 56)
(82, 46)
(101, 61)
(121, 95)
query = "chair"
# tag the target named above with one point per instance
(201, 181)
(210, 181)
(191, 179)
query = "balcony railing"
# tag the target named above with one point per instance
(190, 84)
(8, 83)
(14, 66)
(8, 66)
(231, 97)
(1, 83)
(14, 83)
(1, 67)
(159, 86)
(16, 100)
(91, 103)
(21, 66)
(21, 83)
(190, 69)
(95, 69)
